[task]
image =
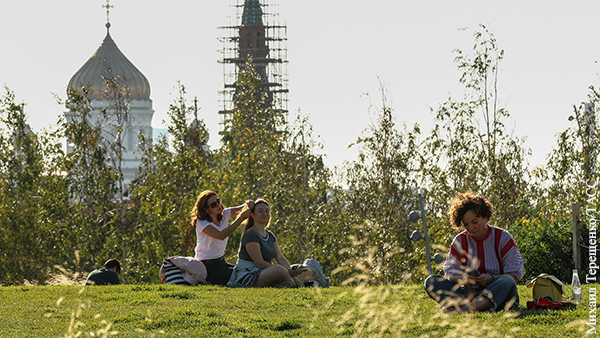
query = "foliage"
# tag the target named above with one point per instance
(172, 173)
(91, 180)
(464, 154)
(262, 156)
(546, 247)
(381, 192)
(70, 209)
(571, 166)
(28, 194)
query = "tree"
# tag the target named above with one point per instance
(92, 181)
(262, 156)
(172, 174)
(32, 197)
(380, 193)
(469, 156)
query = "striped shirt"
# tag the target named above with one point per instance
(495, 254)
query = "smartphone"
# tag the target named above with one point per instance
(474, 273)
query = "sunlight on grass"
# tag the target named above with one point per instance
(405, 310)
(360, 308)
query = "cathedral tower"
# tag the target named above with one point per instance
(108, 62)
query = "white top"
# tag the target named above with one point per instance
(209, 247)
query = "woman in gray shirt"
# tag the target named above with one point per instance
(258, 248)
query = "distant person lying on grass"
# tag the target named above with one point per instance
(483, 265)
(258, 248)
(106, 275)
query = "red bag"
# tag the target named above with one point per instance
(542, 303)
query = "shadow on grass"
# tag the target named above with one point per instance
(287, 325)
(524, 313)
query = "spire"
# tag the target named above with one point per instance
(253, 13)
(255, 35)
(108, 6)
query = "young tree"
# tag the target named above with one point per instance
(469, 156)
(263, 156)
(172, 173)
(32, 197)
(380, 194)
(91, 178)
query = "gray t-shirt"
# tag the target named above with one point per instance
(267, 244)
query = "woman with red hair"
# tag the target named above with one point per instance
(211, 220)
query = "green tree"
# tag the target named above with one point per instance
(262, 156)
(92, 181)
(562, 182)
(463, 154)
(32, 194)
(172, 173)
(380, 194)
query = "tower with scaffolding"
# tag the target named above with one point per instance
(256, 34)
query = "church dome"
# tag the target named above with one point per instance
(108, 61)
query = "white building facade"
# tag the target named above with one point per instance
(134, 112)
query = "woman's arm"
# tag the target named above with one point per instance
(280, 258)
(222, 234)
(253, 249)
(462, 279)
(512, 259)
(236, 210)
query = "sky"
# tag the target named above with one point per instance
(339, 52)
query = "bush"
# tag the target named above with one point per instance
(546, 247)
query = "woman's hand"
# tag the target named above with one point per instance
(471, 280)
(245, 213)
(250, 204)
(484, 279)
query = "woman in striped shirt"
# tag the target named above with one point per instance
(484, 263)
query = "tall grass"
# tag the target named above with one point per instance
(211, 311)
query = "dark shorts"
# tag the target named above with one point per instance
(218, 270)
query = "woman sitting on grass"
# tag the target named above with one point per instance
(211, 221)
(483, 265)
(258, 248)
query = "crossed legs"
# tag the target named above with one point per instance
(455, 298)
(275, 274)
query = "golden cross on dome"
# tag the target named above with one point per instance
(108, 6)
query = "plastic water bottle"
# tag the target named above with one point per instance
(575, 288)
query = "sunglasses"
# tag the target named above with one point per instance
(215, 203)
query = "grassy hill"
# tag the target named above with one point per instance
(210, 311)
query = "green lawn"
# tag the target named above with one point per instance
(209, 311)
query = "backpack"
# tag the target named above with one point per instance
(315, 266)
(546, 286)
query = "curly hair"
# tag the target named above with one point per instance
(200, 210)
(464, 202)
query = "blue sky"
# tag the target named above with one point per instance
(337, 51)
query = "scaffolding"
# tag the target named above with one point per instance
(258, 33)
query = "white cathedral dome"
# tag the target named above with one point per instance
(109, 61)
